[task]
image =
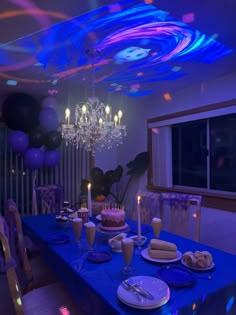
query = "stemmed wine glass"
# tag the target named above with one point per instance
(127, 251)
(156, 226)
(77, 224)
(90, 230)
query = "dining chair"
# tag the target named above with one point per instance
(180, 215)
(149, 206)
(52, 299)
(33, 272)
(144, 216)
(50, 198)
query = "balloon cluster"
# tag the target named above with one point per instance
(34, 129)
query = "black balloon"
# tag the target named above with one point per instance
(36, 138)
(53, 140)
(20, 111)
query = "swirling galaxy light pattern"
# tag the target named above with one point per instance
(139, 45)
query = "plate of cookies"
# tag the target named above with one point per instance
(198, 260)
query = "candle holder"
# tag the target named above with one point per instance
(138, 242)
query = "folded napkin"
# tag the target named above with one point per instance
(162, 245)
(161, 254)
(198, 259)
(115, 242)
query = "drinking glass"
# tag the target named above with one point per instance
(90, 230)
(127, 251)
(156, 226)
(77, 224)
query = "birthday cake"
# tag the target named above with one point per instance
(113, 219)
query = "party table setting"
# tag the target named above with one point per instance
(136, 268)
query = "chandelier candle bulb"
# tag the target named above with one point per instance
(120, 114)
(138, 218)
(115, 119)
(107, 110)
(100, 122)
(89, 201)
(84, 109)
(67, 116)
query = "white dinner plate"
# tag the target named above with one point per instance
(98, 217)
(212, 265)
(145, 255)
(158, 288)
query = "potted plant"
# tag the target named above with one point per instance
(105, 184)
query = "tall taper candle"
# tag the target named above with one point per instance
(89, 201)
(138, 218)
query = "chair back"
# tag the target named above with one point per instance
(17, 246)
(50, 198)
(13, 283)
(180, 213)
(149, 206)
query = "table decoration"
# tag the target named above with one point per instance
(89, 201)
(138, 218)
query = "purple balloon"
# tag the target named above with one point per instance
(48, 119)
(33, 158)
(50, 101)
(51, 158)
(18, 141)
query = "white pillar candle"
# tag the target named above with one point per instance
(138, 218)
(89, 200)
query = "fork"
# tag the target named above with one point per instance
(140, 289)
(129, 287)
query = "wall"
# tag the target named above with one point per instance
(206, 93)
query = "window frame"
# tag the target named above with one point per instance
(212, 199)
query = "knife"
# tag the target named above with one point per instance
(131, 289)
(139, 289)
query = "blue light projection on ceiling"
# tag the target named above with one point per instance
(139, 45)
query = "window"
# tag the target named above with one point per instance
(204, 153)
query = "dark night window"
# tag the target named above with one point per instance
(204, 153)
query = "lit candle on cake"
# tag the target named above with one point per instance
(138, 217)
(89, 200)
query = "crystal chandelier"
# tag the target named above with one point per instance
(94, 126)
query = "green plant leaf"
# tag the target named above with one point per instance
(139, 164)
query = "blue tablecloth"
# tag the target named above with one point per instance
(94, 286)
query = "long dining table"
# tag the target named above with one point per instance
(94, 285)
